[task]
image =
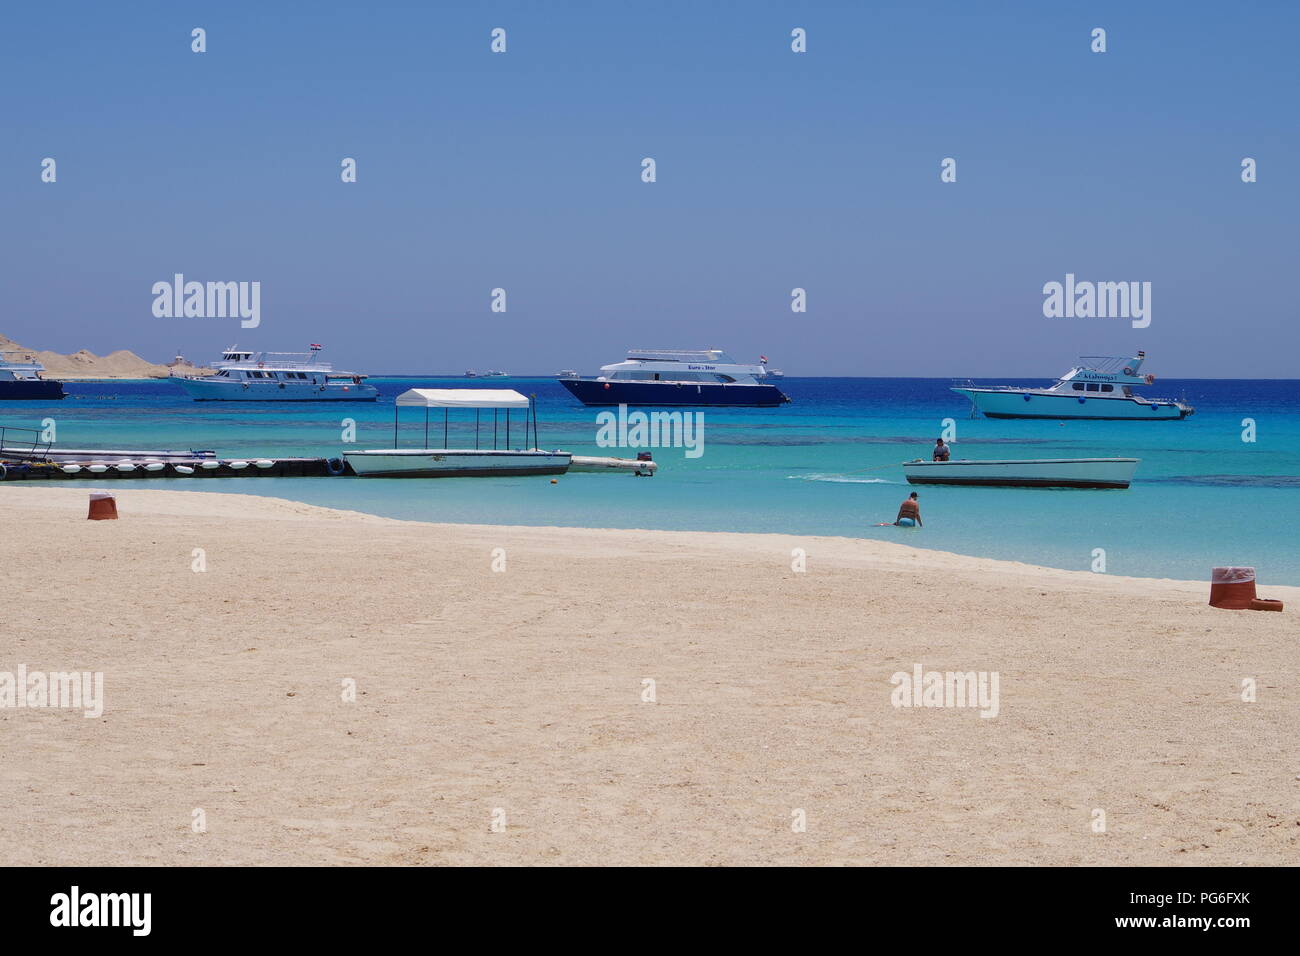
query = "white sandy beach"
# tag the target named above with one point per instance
(522, 690)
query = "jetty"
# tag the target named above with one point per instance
(144, 467)
(25, 456)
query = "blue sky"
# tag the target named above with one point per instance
(776, 170)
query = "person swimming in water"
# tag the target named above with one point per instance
(911, 510)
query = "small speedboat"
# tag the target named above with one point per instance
(1024, 473)
(642, 467)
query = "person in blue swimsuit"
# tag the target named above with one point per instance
(909, 512)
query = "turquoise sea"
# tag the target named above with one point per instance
(828, 463)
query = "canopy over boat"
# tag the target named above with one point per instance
(463, 398)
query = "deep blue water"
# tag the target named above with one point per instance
(826, 464)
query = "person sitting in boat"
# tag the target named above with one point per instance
(909, 512)
(941, 451)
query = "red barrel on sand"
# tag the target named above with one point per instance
(1234, 589)
(103, 506)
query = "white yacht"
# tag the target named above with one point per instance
(247, 376)
(677, 377)
(1100, 387)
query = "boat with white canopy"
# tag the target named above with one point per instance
(479, 461)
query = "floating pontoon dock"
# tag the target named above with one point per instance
(25, 456)
(143, 467)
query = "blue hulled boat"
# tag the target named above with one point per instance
(677, 377)
(20, 379)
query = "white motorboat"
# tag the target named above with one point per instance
(1024, 473)
(1101, 387)
(247, 376)
(473, 462)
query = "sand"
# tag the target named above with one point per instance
(517, 697)
(84, 365)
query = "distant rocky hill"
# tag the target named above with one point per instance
(87, 365)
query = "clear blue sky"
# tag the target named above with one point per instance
(775, 170)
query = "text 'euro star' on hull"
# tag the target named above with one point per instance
(1100, 387)
(678, 377)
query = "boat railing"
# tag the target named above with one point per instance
(1104, 363)
(680, 355)
(24, 442)
(294, 361)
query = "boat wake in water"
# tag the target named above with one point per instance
(845, 479)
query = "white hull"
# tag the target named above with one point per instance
(586, 463)
(1036, 403)
(217, 390)
(1028, 473)
(455, 463)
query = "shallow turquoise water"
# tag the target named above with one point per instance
(826, 464)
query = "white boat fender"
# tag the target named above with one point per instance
(264, 463)
(184, 470)
(71, 469)
(124, 466)
(335, 466)
(154, 466)
(210, 465)
(97, 468)
(239, 465)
